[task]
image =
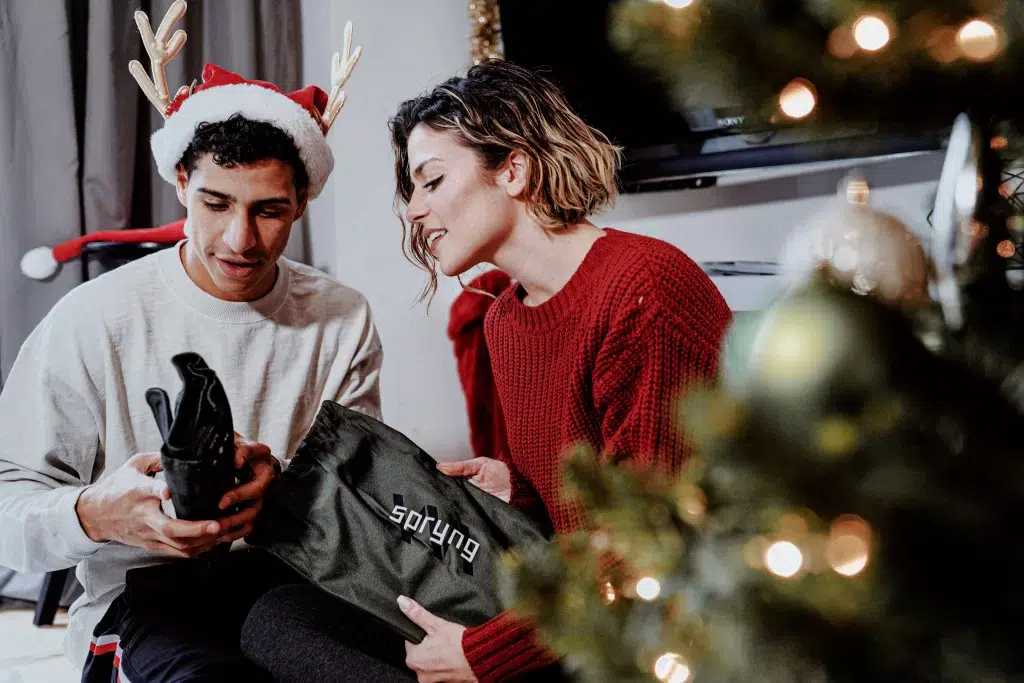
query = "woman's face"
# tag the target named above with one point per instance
(465, 212)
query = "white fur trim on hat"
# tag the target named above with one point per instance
(253, 102)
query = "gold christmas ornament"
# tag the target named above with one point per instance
(485, 31)
(813, 347)
(866, 250)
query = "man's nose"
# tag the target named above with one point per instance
(241, 234)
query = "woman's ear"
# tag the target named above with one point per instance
(514, 174)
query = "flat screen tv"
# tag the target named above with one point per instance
(665, 146)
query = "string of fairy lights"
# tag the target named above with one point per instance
(792, 551)
(976, 40)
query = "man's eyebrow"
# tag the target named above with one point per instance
(214, 193)
(419, 168)
(228, 198)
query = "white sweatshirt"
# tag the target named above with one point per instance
(74, 408)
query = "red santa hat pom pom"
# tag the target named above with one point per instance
(42, 263)
(39, 263)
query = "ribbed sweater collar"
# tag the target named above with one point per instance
(238, 312)
(572, 296)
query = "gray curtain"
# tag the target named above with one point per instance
(39, 198)
(74, 126)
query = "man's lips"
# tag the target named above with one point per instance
(237, 269)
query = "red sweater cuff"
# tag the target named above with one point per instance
(502, 648)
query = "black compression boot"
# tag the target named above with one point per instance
(198, 454)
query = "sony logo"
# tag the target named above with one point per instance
(729, 121)
(419, 523)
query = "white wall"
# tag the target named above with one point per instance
(750, 220)
(410, 45)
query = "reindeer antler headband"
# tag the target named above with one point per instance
(306, 115)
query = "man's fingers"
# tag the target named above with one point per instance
(246, 450)
(166, 549)
(462, 468)
(234, 536)
(263, 472)
(181, 528)
(159, 489)
(183, 552)
(417, 614)
(242, 455)
(146, 463)
(245, 516)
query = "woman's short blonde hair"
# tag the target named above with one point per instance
(498, 108)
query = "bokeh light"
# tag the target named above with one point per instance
(671, 668)
(871, 32)
(797, 100)
(978, 40)
(783, 559)
(648, 588)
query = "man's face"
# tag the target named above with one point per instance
(239, 222)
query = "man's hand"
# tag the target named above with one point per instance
(487, 474)
(126, 507)
(261, 469)
(440, 656)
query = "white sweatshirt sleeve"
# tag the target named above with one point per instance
(360, 389)
(49, 446)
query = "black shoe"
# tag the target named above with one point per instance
(198, 454)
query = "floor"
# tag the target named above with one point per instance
(29, 654)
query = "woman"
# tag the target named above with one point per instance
(601, 334)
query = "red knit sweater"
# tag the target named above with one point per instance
(602, 362)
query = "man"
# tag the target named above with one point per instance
(79, 448)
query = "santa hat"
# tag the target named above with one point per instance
(306, 115)
(42, 263)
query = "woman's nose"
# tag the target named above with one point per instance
(417, 210)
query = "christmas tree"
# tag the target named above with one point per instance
(853, 509)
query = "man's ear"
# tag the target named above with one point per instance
(514, 174)
(303, 199)
(182, 185)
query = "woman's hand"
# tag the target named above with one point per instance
(439, 657)
(487, 474)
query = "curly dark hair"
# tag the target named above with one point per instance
(239, 140)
